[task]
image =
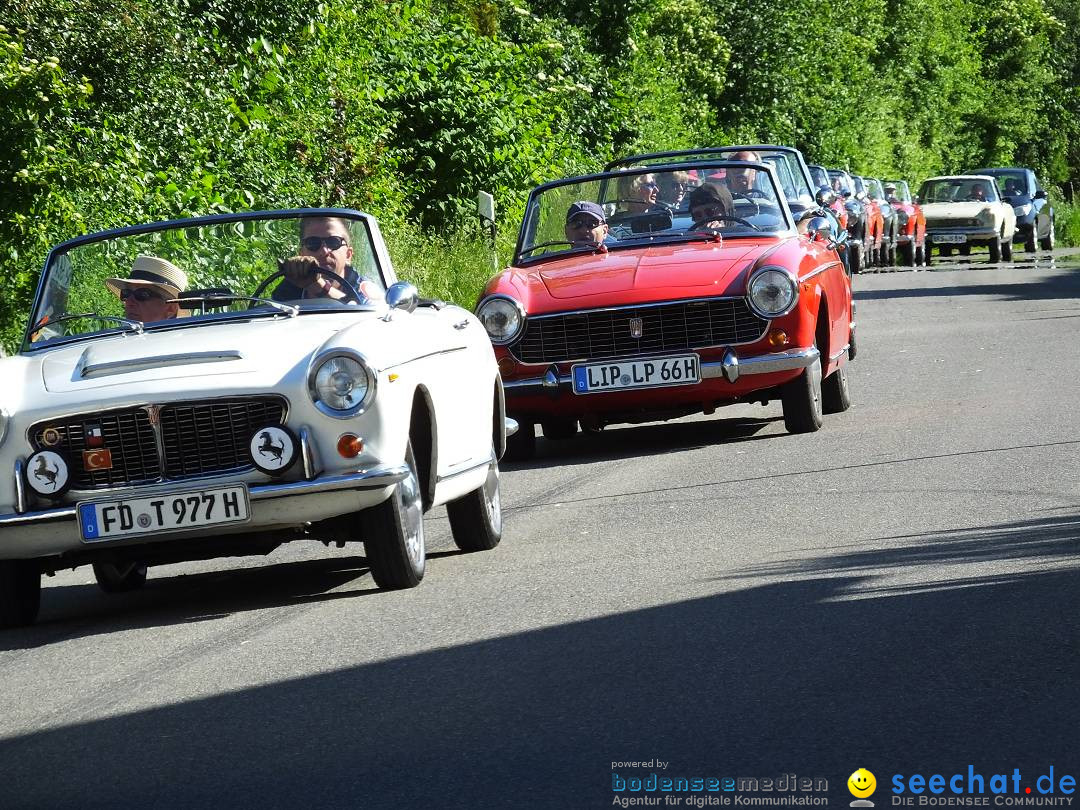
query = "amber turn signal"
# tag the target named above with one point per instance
(350, 446)
(777, 337)
(507, 365)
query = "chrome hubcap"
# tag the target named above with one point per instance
(492, 502)
(412, 510)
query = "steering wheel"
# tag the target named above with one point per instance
(701, 224)
(752, 196)
(351, 293)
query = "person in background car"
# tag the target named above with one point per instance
(890, 192)
(741, 181)
(585, 224)
(711, 205)
(673, 188)
(147, 290)
(978, 193)
(638, 193)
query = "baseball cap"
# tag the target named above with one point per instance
(586, 207)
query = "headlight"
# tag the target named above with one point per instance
(341, 383)
(502, 317)
(985, 217)
(772, 292)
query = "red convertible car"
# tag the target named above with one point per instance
(655, 292)
(911, 239)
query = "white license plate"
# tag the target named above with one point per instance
(620, 375)
(948, 238)
(105, 520)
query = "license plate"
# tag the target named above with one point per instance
(948, 238)
(621, 375)
(130, 517)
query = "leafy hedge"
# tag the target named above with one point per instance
(130, 110)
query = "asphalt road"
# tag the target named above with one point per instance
(899, 591)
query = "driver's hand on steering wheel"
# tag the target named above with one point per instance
(303, 271)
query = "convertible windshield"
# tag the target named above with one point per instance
(902, 193)
(192, 272)
(649, 205)
(958, 189)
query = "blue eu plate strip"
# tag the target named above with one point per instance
(88, 518)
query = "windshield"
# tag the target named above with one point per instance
(1011, 184)
(873, 189)
(819, 177)
(901, 193)
(841, 182)
(643, 205)
(958, 189)
(192, 272)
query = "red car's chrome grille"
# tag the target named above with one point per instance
(600, 334)
(196, 439)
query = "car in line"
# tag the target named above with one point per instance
(963, 211)
(890, 225)
(1034, 212)
(860, 239)
(179, 396)
(911, 223)
(675, 311)
(875, 222)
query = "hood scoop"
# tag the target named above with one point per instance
(87, 369)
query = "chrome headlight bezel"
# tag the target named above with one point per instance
(985, 217)
(515, 309)
(759, 276)
(365, 372)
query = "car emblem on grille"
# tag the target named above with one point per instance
(50, 437)
(635, 327)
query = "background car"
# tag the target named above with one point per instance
(859, 236)
(875, 222)
(1034, 212)
(911, 223)
(965, 210)
(245, 422)
(890, 226)
(676, 312)
(821, 179)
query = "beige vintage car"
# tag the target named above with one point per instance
(966, 210)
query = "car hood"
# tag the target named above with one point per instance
(965, 210)
(715, 268)
(253, 353)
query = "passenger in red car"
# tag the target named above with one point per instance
(585, 224)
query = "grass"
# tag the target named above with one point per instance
(1067, 224)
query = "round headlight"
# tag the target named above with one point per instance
(772, 292)
(342, 384)
(502, 318)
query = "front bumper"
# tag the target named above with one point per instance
(274, 506)
(971, 234)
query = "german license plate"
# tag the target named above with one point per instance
(130, 517)
(621, 375)
(948, 238)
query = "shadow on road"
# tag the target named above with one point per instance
(1062, 284)
(816, 676)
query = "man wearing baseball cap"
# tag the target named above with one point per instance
(147, 289)
(586, 224)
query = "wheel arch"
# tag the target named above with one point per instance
(424, 436)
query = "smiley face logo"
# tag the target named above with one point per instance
(861, 783)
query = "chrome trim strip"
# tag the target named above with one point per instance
(309, 453)
(440, 478)
(839, 354)
(375, 478)
(424, 357)
(21, 504)
(144, 363)
(820, 270)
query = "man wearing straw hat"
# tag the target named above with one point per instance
(147, 289)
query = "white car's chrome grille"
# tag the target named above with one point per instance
(151, 444)
(637, 331)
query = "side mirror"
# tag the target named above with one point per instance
(819, 229)
(825, 197)
(401, 295)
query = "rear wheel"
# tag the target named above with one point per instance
(995, 250)
(20, 592)
(476, 518)
(393, 533)
(120, 577)
(835, 396)
(801, 399)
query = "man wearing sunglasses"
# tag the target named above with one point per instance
(325, 243)
(150, 290)
(585, 224)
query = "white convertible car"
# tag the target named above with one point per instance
(217, 386)
(966, 210)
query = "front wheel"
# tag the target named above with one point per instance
(995, 250)
(1006, 250)
(801, 399)
(120, 578)
(476, 518)
(1029, 239)
(1047, 242)
(20, 592)
(393, 533)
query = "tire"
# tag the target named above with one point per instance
(855, 258)
(995, 250)
(1029, 240)
(801, 399)
(1047, 242)
(964, 250)
(835, 396)
(890, 254)
(522, 445)
(120, 578)
(907, 254)
(1006, 250)
(853, 345)
(393, 534)
(559, 429)
(928, 254)
(944, 251)
(20, 593)
(476, 518)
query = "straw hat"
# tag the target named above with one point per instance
(151, 272)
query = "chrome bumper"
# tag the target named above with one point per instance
(730, 368)
(375, 478)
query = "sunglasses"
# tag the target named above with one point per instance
(313, 243)
(140, 295)
(649, 185)
(586, 223)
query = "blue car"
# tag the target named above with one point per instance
(1034, 212)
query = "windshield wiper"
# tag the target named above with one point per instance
(136, 326)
